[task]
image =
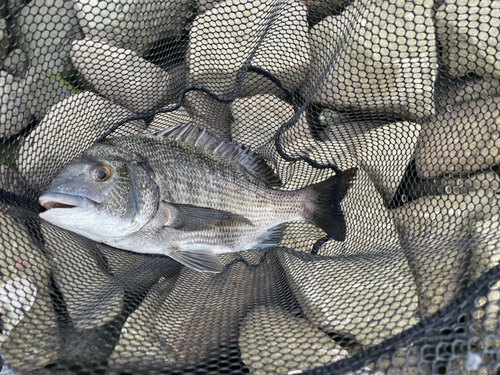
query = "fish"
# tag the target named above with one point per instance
(188, 194)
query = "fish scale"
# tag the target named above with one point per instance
(188, 194)
(216, 184)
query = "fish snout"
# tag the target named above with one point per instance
(62, 201)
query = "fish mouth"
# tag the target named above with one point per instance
(54, 201)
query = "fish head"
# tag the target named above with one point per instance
(102, 196)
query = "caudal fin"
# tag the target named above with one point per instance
(327, 195)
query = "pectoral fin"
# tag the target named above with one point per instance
(190, 218)
(199, 260)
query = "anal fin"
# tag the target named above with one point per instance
(199, 260)
(273, 236)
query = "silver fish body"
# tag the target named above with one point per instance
(186, 194)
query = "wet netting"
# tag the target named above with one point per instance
(407, 92)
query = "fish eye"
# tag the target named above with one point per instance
(101, 173)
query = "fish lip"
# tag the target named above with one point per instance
(59, 202)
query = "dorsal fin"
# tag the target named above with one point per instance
(240, 156)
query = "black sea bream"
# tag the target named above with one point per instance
(186, 194)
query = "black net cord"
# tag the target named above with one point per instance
(428, 327)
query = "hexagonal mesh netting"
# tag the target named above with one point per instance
(407, 92)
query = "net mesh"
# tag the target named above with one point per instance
(406, 91)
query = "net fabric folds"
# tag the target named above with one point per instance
(408, 92)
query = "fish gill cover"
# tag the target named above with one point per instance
(295, 93)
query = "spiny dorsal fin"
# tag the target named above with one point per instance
(247, 160)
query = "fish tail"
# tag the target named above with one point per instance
(325, 211)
